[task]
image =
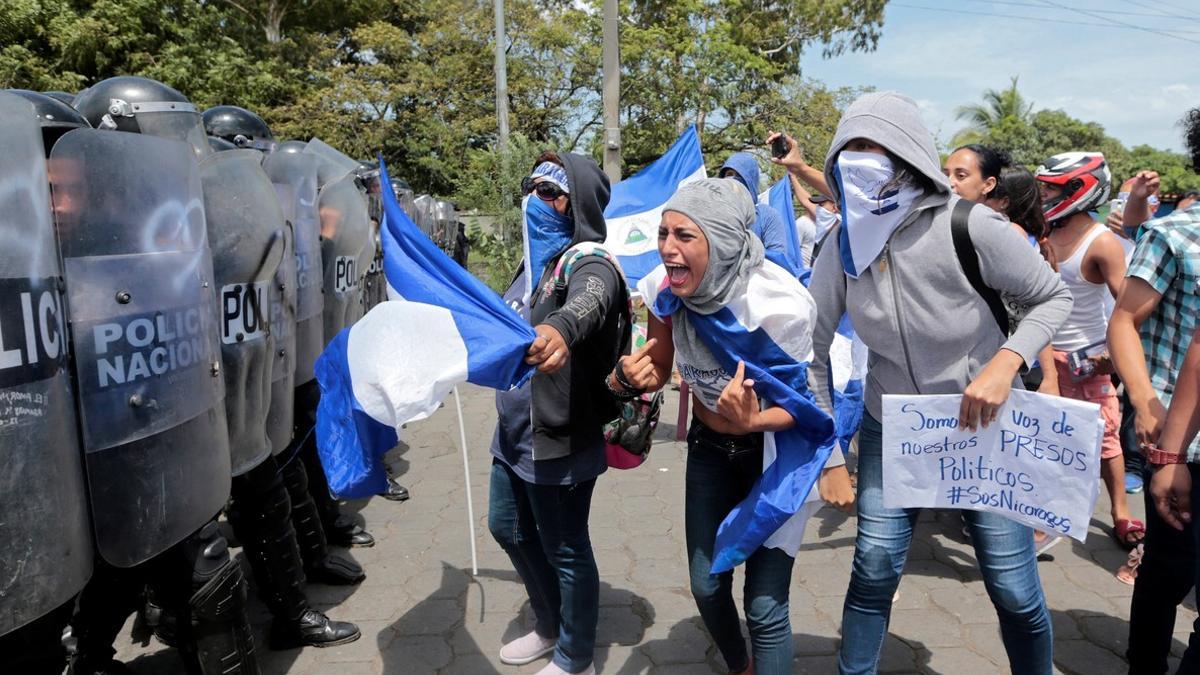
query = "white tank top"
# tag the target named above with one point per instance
(1088, 321)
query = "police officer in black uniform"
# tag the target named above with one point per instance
(243, 128)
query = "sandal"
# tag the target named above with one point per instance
(1126, 527)
(1127, 574)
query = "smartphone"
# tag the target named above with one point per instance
(1116, 206)
(779, 146)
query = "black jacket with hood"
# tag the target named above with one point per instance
(571, 405)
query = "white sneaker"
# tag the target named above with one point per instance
(526, 649)
(552, 669)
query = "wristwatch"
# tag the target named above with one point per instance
(1160, 457)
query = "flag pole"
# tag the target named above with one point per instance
(462, 438)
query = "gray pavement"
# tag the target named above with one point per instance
(421, 611)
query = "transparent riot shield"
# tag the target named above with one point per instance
(45, 542)
(346, 251)
(283, 326)
(406, 198)
(336, 165)
(298, 171)
(425, 206)
(447, 225)
(246, 235)
(142, 308)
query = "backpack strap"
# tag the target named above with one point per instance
(968, 258)
(569, 260)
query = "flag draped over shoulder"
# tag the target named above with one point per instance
(635, 207)
(440, 327)
(770, 329)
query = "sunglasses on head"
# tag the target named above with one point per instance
(545, 190)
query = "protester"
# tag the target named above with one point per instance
(894, 270)
(768, 224)
(710, 263)
(806, 224)
(1092, 263)
(1148, 336)
(548, 447)
(1176, 483)
(974, 171)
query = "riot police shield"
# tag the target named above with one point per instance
(45, 544)
(405, 197)
(142, 309)
(281, 415)
(346, 251)
(298, 172)
(425, 205)
(246, 235)
(336, 164)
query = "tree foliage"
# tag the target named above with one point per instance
(1006, 121)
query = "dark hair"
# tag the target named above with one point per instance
(1191, 135)
(547, 156)
(1020, 187)
(991, 162)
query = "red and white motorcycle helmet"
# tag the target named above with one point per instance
(1084, 179)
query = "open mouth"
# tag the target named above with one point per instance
(678, 274)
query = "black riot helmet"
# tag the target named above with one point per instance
(55, 117)
(64, 96)
(143, 106)
(239, 126)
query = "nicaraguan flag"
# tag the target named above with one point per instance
(779, 197)
(847, 368)
(635, 207)
(770, 329)
(440, 327)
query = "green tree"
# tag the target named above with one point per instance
(727, 66)
(1005, 106)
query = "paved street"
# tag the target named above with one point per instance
(421, 611)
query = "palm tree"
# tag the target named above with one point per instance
(997, 105)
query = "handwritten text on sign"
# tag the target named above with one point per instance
(1038, 463)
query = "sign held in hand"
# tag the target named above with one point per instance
(1038, 463)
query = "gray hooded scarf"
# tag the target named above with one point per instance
(723, 210)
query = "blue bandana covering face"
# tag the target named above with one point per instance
(547, 233)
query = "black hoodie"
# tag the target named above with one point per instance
(570, 407)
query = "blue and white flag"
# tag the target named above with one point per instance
(635, 206)
(440, 327)
(847, 369)
(770, 329)
(779, 197)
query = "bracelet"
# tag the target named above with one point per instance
(621, 394)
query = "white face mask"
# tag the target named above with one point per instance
(825, 220)
(873, 206)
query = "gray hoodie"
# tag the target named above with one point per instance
(928, 331)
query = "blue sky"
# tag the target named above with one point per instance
(944, 53)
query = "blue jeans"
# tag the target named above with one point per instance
(544, 530)
(714, 485)
(1006, 557)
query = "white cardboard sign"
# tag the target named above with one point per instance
(1038, 463)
